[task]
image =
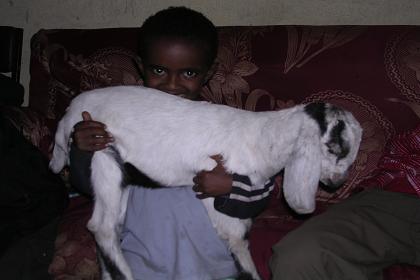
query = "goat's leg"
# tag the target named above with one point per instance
(233, 230)
(105, 275)
(108, 213)
(239, 248)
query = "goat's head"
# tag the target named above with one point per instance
(325, 149)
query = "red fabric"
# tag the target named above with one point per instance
(402, 272)
(399, 168)
(75, 249)
(263, 236)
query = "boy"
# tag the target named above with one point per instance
(167, 232)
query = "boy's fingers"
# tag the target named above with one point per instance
(86, 116)
(82, 132)
(218, 158)
(94, 148)
(97, 132)
(89, 125)
(197, 178)
(93, 144)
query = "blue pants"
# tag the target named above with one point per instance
(168, 235)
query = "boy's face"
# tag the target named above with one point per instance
(175, 66)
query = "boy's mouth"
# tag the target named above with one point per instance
(186, 95)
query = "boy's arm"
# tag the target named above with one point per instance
(80, 169)
(88, 136)
(244, 201)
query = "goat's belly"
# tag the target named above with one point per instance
(165, 175)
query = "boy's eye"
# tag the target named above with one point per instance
(190, 74)
(158, 71)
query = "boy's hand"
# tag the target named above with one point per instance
(215, 182)
(90, 135)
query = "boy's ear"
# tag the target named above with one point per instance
(211, 72)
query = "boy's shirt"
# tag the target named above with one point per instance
(244, 201)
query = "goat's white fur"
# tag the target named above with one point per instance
(170, 139)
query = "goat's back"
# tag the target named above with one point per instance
(158, 132)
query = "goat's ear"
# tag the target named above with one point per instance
(301, 177)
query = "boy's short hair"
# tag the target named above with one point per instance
(179, 22)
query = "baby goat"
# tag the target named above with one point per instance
(170, 139)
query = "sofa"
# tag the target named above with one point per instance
(373, 71)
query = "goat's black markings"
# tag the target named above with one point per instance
(336, 144)
(244, 276)
(116, 155)
(317, 112)
(110, 266)
(132, 175)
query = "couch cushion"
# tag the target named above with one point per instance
(33, 125)
(74, 74)
(75, 248)
(265, 68)
(61, 69)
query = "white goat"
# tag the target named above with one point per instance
(170, 139)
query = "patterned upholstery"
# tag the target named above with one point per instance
(365, 69)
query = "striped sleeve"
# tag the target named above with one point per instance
(244, 201)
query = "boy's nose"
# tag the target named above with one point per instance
(172, 84)
(172, 81)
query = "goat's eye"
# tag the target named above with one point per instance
(333, 148)
(340, 151)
